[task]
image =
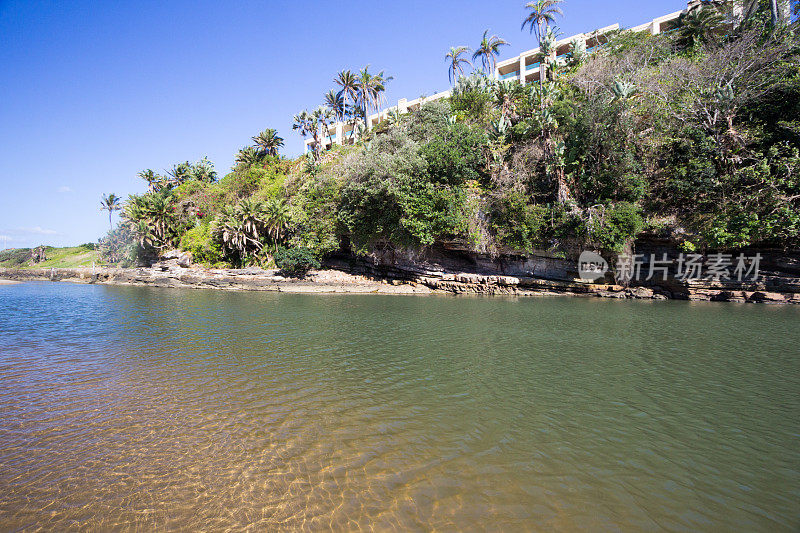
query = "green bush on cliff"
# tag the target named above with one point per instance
(296, 261)
(203, 247)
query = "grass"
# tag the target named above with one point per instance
(69, 257)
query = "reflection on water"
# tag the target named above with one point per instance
(156, 408)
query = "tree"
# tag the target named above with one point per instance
(370, 89)
(453, 57)
(203, 171)
(268, 142)
(151, 178)
(110, 203)
(752, 7)
(277, 220)
(335, 101)
(311, 124)
(180, 173)
(348, 89)
(542, 14)
(488, 49)
(305, 123)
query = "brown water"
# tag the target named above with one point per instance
(134, 408)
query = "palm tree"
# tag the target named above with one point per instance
(180, 173)
(110, 203)
(323, 117)
(204, 171)
(336, 103)
(488, 49)
(370, 88)
(304, 122)
(542, 14)
(453, 57)
(150, 177)
(348, 84)
(268, 141)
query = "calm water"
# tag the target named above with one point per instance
(154, 408)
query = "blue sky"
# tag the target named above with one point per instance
(93, 92)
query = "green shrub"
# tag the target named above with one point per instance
(455, 154)
(615, 226)
(203, 247)
(296, 261)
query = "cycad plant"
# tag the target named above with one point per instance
(268, 141)
(153, 218)
(244, 229)
(248, 156)
(699, 26)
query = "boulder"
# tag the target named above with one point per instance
(185, 259)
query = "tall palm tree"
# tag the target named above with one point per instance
(488, 49)
(268, 141)
(150, 177)
(348, 89)
(336, 103)
(453, 57)
(180, 173)
(323, 117)
(542, 14)
(313, 124)
(110, 203)
(370, 88)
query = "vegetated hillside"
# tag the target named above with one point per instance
(692, 134)
(68, 257)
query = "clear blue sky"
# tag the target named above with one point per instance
(93, 92)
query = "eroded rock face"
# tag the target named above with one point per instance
(444, 270)
(38, 255)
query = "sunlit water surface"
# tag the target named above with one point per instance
(156, 408)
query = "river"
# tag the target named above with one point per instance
(142, 408)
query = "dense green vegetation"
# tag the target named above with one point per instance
(693, 134)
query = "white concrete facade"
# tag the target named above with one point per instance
(343, 133)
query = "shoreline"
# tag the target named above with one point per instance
(333, 281)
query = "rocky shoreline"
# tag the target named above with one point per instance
(358, 281)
